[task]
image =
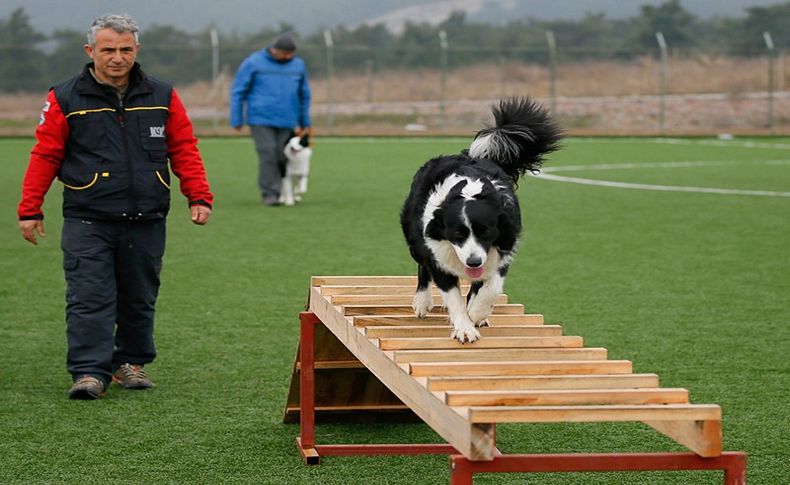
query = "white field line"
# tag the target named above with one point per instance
(684, 141)
(547, 174)
(455, 139)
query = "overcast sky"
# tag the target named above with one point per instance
(309, 15)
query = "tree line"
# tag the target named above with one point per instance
(33, 60)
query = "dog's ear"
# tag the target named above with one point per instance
(435, 228)
(305, 140)
(488, 191)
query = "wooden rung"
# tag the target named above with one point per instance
(433, 369)
(391, 300)
(353, 408)
(477, 355)
(378, 290)
(483, 343)
(363, 280)
(543, 382)
(423, 331)
(567, 397)
(441, 320)
(333, 290)
(334, 364)
(350, 310)
(578, 414)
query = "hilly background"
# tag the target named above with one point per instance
(307, 16)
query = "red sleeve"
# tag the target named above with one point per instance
(45, 159)
(185, 158)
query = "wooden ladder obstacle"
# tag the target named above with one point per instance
(520, 371)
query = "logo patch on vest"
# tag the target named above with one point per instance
(157, 131)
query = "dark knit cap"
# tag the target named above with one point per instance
(284, 42)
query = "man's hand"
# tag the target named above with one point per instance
(29, 229)
(299, 131)
(200, 214)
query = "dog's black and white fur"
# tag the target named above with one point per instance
(297, 169)
(462, 219)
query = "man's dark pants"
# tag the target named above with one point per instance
(112, 281)
(270, 145)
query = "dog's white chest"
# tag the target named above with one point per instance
(298, 161)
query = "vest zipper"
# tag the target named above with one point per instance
(132, 206)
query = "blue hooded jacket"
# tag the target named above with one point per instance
(276, 93)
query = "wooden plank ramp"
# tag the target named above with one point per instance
(520, 371)
(363, 355)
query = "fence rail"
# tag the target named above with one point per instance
(660, 91)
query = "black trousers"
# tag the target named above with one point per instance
(112, 281)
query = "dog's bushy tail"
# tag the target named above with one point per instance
(523, 133)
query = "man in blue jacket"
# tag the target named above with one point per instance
(273, 84)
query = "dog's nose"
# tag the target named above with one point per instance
(474, 262)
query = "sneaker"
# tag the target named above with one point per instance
(86, 387)
(271, 200)
(131, 376)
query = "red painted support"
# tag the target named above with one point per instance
(462, 470)
(306, 440)
(312, 453)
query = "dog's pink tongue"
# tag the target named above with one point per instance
(474, 272)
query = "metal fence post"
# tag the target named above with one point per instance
(502, 77)
(215, 77)
(769, 44)
(369, 76)
(443, 80)
(329, 74)
(552, 70)
(662, 45)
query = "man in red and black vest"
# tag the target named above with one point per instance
(111, 135)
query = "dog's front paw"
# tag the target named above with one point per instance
(479, 314)
(465, 334)
(422, 303)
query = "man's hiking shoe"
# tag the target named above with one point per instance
(131, 376)
(86, 387)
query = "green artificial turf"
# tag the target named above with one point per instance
(692, 286)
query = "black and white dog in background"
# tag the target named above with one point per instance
(462, 219)
(297, 169)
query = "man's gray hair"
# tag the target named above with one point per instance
(120, 23)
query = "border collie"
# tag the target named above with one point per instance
(297, 168)
(462, 219)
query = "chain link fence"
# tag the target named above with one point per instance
(359, 90)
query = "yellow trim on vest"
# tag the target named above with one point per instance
(83, 112)
(92, 182)
(161, 179)
(147, 108)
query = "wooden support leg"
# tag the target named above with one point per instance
(306, 440)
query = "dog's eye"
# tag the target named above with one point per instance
(459, 233)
